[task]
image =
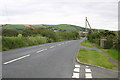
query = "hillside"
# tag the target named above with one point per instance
(60, 27)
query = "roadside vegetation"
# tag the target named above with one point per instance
(113, 53)
(14, 38)
(95, 58)
(16, 42)
(87, 43)
(111, 37)
(112, 42)
(109, 52)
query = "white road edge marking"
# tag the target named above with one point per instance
(75, 75)
(16, 59)
(41, 50)
(87, 70)
(52, 46)
(88, 75)
(77, 70)
(77, 66)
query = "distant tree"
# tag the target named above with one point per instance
(29, 32)
(9, 32)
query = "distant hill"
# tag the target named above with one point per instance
(60, 27)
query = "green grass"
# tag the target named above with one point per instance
(14, 26)
(87, 43)
(113, 53)
(59, 27)
(95, 58)
(62, 27)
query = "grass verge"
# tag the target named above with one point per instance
(87, 43)
(113, 53)
(95, 58)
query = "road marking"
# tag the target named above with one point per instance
(45, 49)
(77, 70)
(77, 66)
(59, 44)
(41, 50)
(16, 59)
(87, 70)
(52, 46)
(88, 75)
(75, 75)
(87, 66)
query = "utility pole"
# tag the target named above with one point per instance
(85, 26)
(87, 23)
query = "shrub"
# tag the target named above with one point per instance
(9, 32)
(16, 42)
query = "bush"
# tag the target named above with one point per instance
(28, 37)
(9, 32)
(16, 42)
(110, 36)
(67, 35)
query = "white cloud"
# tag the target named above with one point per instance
(101, 14)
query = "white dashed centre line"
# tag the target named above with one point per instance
(87, 66)
(52, 46)
(88, 75)
(77, 66)
(77, 70)
(87, 70)
(16, 59)
(75, 75)
(41, 50)
(45, 49)
(59, 44)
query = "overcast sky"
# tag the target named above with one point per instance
(101, 14)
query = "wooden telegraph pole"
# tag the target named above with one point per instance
(85, 27)
(87, 23)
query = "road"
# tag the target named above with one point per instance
(52, 60)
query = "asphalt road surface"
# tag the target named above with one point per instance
(52, 60)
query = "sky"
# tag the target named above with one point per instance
(101, 14)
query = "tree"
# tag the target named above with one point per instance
(10, 32)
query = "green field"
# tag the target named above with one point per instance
(58, 27)
(95, 58)
(14, 26)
